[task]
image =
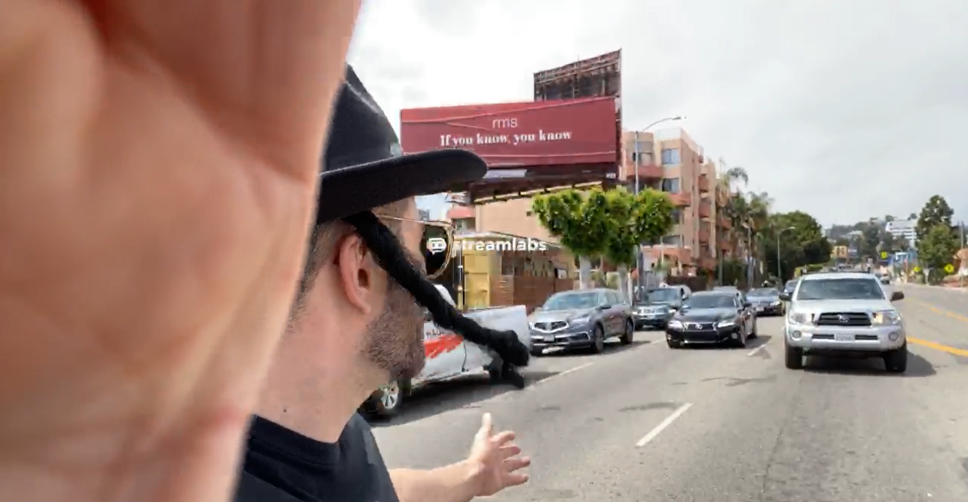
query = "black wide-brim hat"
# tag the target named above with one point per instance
(364, 166)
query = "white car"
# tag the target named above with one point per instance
(844, 314)
(449, 356)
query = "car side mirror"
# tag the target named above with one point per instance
(897, 295)
(428, 317)
(785, 297)
(747, 305)
(604, 306)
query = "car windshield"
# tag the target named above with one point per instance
(663, 295)
(763, 293)
(840, 289)
(568, 301)
(710, 302)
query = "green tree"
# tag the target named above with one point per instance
(803, 244)
(888, 243)
(580, 221)
(935, 212)
(870, 239)
(638, 219)
(937, 249)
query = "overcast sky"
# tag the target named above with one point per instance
(845, 109)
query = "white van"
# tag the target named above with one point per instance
(449, 356)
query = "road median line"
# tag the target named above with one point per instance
(938, 346)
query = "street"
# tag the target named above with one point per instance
(646, 423)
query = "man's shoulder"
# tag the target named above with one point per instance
(359, 434)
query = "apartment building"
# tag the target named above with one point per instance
(671, 161)
(668, 160)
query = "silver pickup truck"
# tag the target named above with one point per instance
(844, 314)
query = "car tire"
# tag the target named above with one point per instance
(598, 339)
(793, 357)
(895, 361)
(674, 345)
(629, 334)
(389, 400)
(740, 343)
(537, 352)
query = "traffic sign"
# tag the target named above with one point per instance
(883, 255)
(949, 268)
(917, 269)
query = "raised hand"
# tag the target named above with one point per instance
(158, 161)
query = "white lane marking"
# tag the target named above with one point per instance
(563, 373)
(661, 427)
(754, 351)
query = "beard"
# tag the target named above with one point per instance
(394, 341)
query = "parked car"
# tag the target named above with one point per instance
(655, 310)
(581, 320)
(766, 301)
(449, 356)
(844, 314)
(712, 317)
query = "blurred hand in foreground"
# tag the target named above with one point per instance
(158, 164)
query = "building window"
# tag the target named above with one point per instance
(670, 156)
(672, 240)
(677, 216)
(670, 185)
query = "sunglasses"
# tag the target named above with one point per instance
(436, 243)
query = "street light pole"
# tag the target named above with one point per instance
(779, 272)
(640, 257)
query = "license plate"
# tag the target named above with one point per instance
(841, 337)
(549, 339)
(759, 309)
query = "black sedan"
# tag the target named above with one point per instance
(766, 301)
(710, 318)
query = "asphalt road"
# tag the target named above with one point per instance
(645, 423)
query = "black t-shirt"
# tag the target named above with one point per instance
(284, 466)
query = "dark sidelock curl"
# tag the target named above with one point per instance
(392, 257)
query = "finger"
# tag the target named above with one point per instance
(515, 479)
(509, 451)
(516, 463)
(269, 68)
(487, 426)
(502, 437)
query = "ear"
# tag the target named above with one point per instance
(357, 272)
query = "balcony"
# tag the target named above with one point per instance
(724, 222)
(676, 255)
(703, 184)
(705, 210)
(680, 199)
(708, 263)
(704, 234)
(646, 172)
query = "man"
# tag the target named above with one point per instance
(354, 327)
(158, 178)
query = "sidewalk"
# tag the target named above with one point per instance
(959, 289)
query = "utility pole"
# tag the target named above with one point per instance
(639, 258)
(719, 249)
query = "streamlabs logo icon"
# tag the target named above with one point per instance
(436, 245)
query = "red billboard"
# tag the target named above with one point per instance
(516, 135)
